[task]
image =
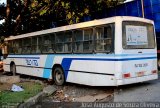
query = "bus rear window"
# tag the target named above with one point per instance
(138, 35)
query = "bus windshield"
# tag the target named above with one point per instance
(138, 35)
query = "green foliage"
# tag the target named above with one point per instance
(33, 15)
(42, 12)
(30, 90)
(2, 11)
(71, 11)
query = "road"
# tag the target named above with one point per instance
(141, 92)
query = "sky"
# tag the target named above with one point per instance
(2, 1)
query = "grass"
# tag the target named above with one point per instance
(30, 90)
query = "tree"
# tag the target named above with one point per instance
(72, 11)
(2, 16)
(34, 15)
(2, 11)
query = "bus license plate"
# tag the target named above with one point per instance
(139, 74)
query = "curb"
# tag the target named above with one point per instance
(38, 98)
(32, 101)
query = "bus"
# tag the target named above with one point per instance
(105, 52)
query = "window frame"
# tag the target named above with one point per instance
(112, 38)
(136, 23)
(71, 40)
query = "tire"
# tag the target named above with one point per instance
(13, 69)
(58, 76)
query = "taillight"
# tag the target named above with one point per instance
(127, 75)
(154, 72)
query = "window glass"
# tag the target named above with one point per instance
(39, 44)
(104, 38)
(99, 33)
(52, 37)
(138, 35)
(34, 45)
(47, 47)
(78, 42)
(15, 46)
(11, 47)
(68, 41)
(88, 34)
(59, 42)
(26, 47)
(78, 35)
(60, 37)
(88, 40)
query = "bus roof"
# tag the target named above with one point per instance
(80, 25)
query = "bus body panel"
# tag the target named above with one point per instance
(89, 70)
(98, 65)
(140, 66)
(91, 79)
(25, 64)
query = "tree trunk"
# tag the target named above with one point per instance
(20, 16)
(8, 18)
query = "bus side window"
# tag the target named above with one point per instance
(78, 43)
(88, 40)
(20, 47)
(99, 43)
(59, 42)
(34, 45)
(47, 47)
(68, 41)
(52, 36)
(108, 37)
(17, 44)
(103, 38)
(39, 45)
(11, 47)
(26, 48)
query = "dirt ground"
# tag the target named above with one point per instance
(70, 92)
(81, 93)
(5, 86)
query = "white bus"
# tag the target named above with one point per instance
(106, 52)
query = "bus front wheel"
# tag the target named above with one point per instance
(13, 69)
(58, 76)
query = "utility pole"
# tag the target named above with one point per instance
(142, 5)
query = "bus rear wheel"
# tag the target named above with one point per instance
(13, 69)
(58, 76)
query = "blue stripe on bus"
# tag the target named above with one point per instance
(66, 62)
(146, 54)
(48, 64)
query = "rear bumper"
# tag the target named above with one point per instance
(137, 79)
